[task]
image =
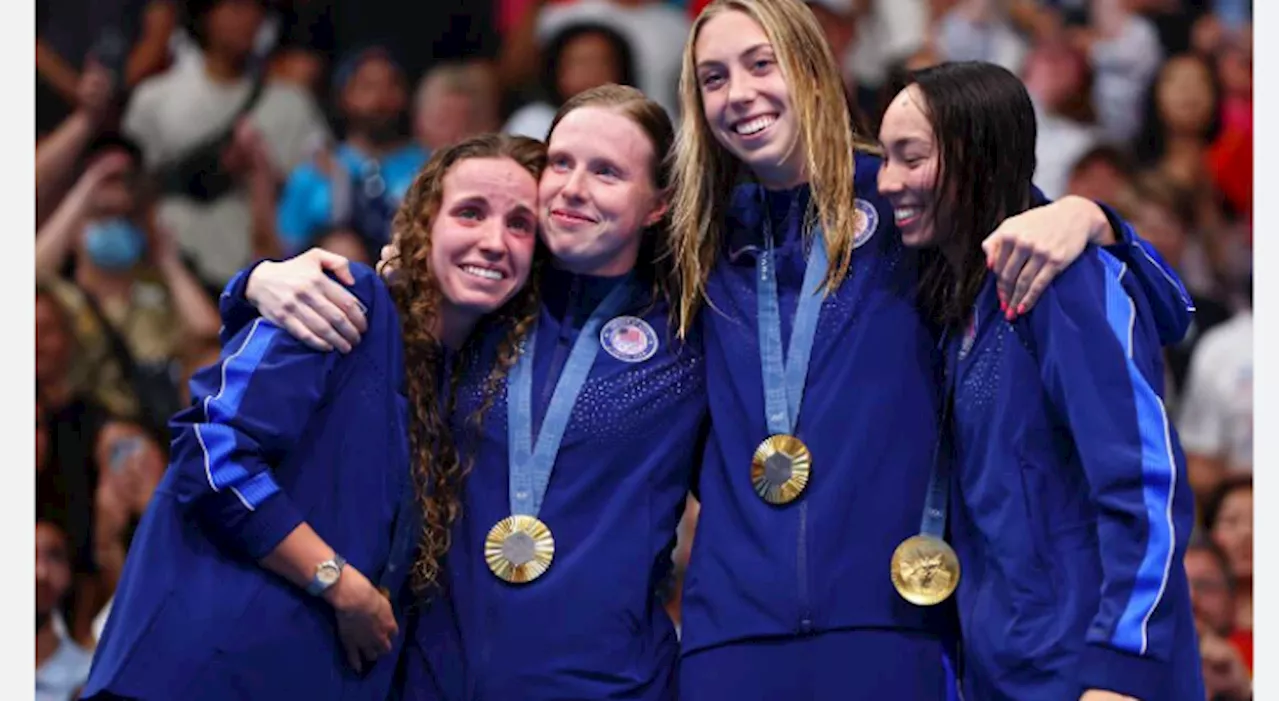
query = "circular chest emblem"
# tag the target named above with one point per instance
(629, 339)
(864, 226)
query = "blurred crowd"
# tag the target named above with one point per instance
(179, 140)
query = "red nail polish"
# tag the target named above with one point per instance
(1022, 309)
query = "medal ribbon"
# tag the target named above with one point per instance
(933, 522)
(531, 463)
(784, 380)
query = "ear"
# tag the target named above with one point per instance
(661, 205)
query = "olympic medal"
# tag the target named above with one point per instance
(519, 549)
(780, 468)
(925, 570)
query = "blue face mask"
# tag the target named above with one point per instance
(115, 245)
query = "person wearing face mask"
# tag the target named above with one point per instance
(577, 479)
(356, 193)
(130, 294)
(822, 371)
(301, 481)
(1072, 508)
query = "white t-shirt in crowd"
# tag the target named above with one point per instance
(66, 670)
(1124, 66)
(533, 120)
(656, 32)
(173, 112)
(1217, 405)
(1060, 142)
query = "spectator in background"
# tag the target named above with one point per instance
(128, 38)
(1228, 519)
(421, 34)
(1183, 118)
(1103, 174)
(1213, 599)
(134, 463)
(980, 30)
(1231, 156)
(1165, 216)
(72, 432)
(655, 31)
(889, 33)
(62, 666)
(58, 154)
(207, 127)
(838, 19)
(1124, 49)
(348, 198)
(455, 101)
(130, 294)
(1216, 420)
(1060, 83)
(580, 57)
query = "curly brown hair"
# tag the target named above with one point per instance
(438, 468)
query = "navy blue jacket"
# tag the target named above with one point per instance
(870, 416)
(277, 434)
(1071, 508)
(593, 626)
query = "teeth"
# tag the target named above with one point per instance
(755, 126)
(485, 273)
(901, 214)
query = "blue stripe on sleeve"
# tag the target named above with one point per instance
(1145, 249)
(217, 440)
(256, 489)
(1159, 472)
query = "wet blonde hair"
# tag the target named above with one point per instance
(705, 172)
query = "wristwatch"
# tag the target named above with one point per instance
(326, 575)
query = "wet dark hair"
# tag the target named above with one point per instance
(984, 128)
(554, 55)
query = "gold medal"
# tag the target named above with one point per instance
(925, 570)
(780, 468)
(519, 549)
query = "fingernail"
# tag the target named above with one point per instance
(1022, 309)
(1003, 307)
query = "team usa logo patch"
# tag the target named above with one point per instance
(629, 339)
(866, 219)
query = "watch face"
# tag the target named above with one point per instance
(327, 573)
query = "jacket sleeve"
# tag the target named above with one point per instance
(1099, 361)
(1171, 305)
(247, 412)
(234, 308)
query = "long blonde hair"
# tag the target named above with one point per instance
(705, 172)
